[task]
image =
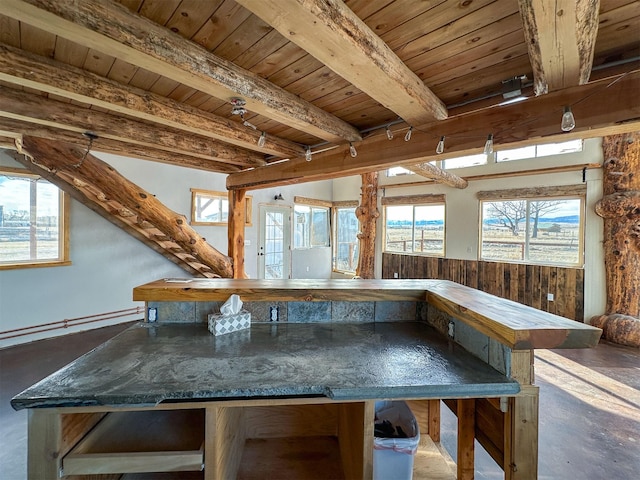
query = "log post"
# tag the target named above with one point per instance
(63, 158)
(620, 208)
(237, 220)
(367, 214)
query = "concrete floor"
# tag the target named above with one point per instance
(589, 408)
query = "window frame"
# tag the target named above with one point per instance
(415, 201)
(312, 204)
(559, 193)
(63, 226)
(224, 197)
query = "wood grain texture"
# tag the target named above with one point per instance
(137, 40)
(428, 170)
(337, 37)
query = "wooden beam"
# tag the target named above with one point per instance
(115, 147)
(236, 223)
(338, 38)
(57, 157)
(111, 28)
(119, 220)
(28, 70)
(601, 108)
(439, 175)
(37, 109)
(367, 214)
(561, 38)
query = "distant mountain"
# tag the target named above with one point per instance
(565, 219)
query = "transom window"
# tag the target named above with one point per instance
(536, 151)
(33, 221)
(533, 229)
(414, 224)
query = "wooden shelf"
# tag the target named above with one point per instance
(133, 442)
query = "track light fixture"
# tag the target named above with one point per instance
(488, 146)
(407, 137)
(262, 140)
(440, 147)
(307, 154)
(568, 120)
(352, 150)
(389, 133)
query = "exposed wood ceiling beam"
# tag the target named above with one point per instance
(428, 170)
(111, 28)
(67, 116)
(601, 108)
(561, 38)
(19, 128)
(26, 69)
(337, 37)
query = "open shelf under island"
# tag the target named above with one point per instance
(295, 397)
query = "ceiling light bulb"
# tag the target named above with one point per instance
(262, 140)
(389, 133)
(568, 120)
(407, 137)
(440, 147)
(352, 150)
(488, 146)
(307, 154)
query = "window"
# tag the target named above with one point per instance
(466, 161)
(396, 171)
(535, 151)
(33, 221)
(311, 227)
(212, 208)
(416, 227)
(345, 244)
(542, 230)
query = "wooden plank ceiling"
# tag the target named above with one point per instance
(154, 79)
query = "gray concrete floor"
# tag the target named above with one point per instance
(589, 408)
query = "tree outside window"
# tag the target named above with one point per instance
(415, 229)
(547, 231)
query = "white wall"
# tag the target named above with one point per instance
(107, 262)
(463, 208)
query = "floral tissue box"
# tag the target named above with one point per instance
(220, 324)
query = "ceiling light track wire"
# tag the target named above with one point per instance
(386, 126)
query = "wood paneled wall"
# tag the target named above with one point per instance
(527, 284)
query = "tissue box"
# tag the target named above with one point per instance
(220, 324)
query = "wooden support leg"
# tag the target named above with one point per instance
(44, 445)
(466, 412)
(224, 442)
(434, 420)
(521, 435)
(355, 434)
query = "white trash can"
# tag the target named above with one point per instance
(393, 456)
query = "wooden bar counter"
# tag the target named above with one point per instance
(168, 396)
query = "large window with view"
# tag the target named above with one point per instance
(33, 222)
(540, 230)
(345, 239)
(416, 227)
(311, 227)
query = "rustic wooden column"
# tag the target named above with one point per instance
(620, 208)
(62, 158)
(236, 223)
(367, 214)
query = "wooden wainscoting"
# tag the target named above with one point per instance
(527, 284)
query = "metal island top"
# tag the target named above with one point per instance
(153, 363)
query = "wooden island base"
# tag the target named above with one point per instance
(297, 400)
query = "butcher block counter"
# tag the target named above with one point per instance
(293, 396)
